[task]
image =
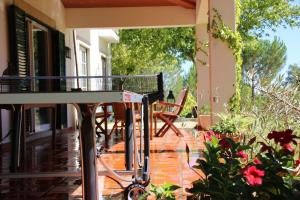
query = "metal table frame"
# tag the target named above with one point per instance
(82, 101)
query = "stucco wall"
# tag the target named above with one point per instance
(4, 55)
(222, 59)
(216, 81)
(202, 66)
(54, 9)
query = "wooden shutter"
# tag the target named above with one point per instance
(19, 56)
(59, 60)
(59, 65)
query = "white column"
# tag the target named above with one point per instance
(222, 61)
(202, 66)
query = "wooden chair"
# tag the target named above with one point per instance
(119, 110)
(169, 116)
(101, 119)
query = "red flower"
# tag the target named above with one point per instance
(256, 161)
(282, 137)
(242, 154)
(224, 144)
(253, 175)
(288, 148)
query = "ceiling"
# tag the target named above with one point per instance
(189, 4)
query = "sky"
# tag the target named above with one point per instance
(291, 38)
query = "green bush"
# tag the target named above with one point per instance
(188, 106)
(232, 123)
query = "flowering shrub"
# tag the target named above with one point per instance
(233, 171)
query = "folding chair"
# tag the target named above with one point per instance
(101, 118)
(119, 110)
(170, 115)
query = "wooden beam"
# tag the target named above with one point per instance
(129, 17)
(184, 3)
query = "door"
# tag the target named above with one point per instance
(39, 46)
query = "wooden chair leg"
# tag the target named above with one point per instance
(155, 125)
(165, 130)
(169, 124)
(113, 128)
(123, 131)
(161, 130)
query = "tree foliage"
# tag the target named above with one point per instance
(149, 51)
(263, 59)
(293, 75)
(258, 17)
(191, 80)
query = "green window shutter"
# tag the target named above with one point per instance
(59, 58)
(59, 69)
(19, 55)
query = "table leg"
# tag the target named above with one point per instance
(16, 139)
(88, 156)
(53, 122)
(105, 126)
(151, 122)
(146, 138)
(1, 123)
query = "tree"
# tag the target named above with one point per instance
(191, 80)
(293, 76)
(262, 60)
(257, 17)
(148, 51)
(175, 42)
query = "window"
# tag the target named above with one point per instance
(83, 67)
(104, 72)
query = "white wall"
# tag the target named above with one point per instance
(4, 55)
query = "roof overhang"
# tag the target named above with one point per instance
(134, 13)
(109, 35)
(189, 4)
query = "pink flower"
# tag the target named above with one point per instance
(253, 175)
(256, 161)
(242, 154)
(208, 135)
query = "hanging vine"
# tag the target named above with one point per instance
(234, 41)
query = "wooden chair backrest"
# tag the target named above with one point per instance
(119, 110)
(181, 101)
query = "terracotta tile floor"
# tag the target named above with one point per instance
(168, 162)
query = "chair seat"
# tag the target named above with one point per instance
(102, 114)
(164, 113)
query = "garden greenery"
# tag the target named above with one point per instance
(231, 171)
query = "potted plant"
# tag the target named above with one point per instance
(204, 118)
(234, 171)
(231, 125)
